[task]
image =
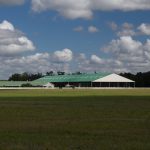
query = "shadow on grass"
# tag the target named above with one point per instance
(90, 122)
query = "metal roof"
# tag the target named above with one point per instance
(95, 77)
(12, 83)
(39, 82)
(20, 83)
(70, 78)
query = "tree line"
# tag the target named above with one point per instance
(141, 79)
(30, 76)
(25, 76)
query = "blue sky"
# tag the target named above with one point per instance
(81, 35)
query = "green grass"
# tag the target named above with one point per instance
(74, 92)
(75, 119)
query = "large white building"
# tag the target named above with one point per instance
(75, 80)
(86, 80)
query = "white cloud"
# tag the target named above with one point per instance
(81, 57)
(11, 2)
(123, 5)
(113, 25)
(96, 59)
(124, 55)
(78, 29)
(68, 8)
(127, 25)
(13, 41)
(84, 8)
(5, 25)
(95, 63)
(144, 29)
(93, 29)
(38, 62)
(127, 29)
(133, 54)
(63, 56)
(126, 32)
(123, 45)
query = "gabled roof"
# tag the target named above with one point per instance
(71, 78)
(113, 78)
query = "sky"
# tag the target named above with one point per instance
(67, 35)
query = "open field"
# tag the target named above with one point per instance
(75, 119)
(73, 92)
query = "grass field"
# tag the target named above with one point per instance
(75, 119)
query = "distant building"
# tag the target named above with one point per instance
(86, 80)
(75, 80)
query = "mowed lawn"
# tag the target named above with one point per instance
(75, 119)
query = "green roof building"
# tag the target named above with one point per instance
(75, 80)
(85, 80)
